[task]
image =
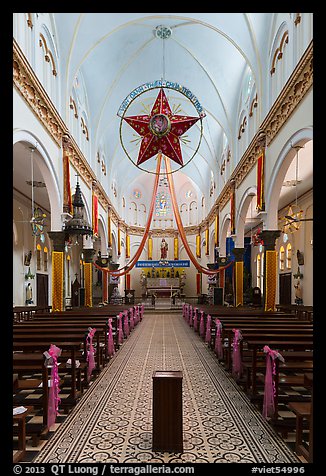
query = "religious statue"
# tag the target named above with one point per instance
(29, 294)
(27, 258)
(298, 293)
(164, 249)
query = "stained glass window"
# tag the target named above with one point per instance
(163, 205)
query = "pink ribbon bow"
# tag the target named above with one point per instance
(111, 349)
(90, 353)
(54, 400)
(269, 389)
(236, 355)
(208, 329)
(218, 348)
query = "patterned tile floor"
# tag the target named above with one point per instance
(112, 422)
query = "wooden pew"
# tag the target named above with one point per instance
(20, 421)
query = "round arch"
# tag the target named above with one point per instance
(242, 214)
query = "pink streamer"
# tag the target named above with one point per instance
(54, 400)
(208, 329)
(269, 389)
(202, 324)
(236, 355)
(126, 324)
(111, 349)
(90, 353)
(218, 348)
(120, 331)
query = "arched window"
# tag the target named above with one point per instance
(289, 256)
(38, 257)
(282, 259)
(45, 258)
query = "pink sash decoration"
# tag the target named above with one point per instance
(195, 319)
(125, 324)
(270, 390)
(120, 331)
(236, 355)
(132, 322)
(202, 324)
(218, 348)
(90, 353)
(190, 315)
(111, 349)
(208, 329)
(54, 400)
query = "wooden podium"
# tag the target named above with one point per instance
(167, 411)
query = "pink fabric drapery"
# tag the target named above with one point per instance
(218, 348)
(132, 321)
(120, 331)
(90, 352)
(208, 329)
(236, 354)
(201, 324)
(269, 389)
(53, 404)
(111, 349)
(125, 324)
(195, 319)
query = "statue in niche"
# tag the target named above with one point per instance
(27, 258)
(29, 294)
(164, 249)
(298, 292)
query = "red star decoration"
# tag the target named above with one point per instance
(166, 137)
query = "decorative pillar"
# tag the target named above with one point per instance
(58, 241)
(198, 245)
(269, 238)
(150, 247)
(176, 247)
(238, 257)
(88, 275)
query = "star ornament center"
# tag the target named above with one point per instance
(161, 130)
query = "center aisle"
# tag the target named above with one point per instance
(113, 420)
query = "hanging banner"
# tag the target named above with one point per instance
(150, 248)
(239, 283)
(176, 248)
(88, 282)
(232, 200)
(67, 201)
(57, 281)
(127, 246)
(164, 264)
(198, 247)
(95, 214)
(119, 241)
(260, 182)
(198, 283)
(207, 241)
(128, 281)
(216, 229)
(109, 232)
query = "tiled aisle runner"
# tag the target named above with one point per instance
(113, 420)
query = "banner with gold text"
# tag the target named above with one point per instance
(198, 246)
(57, 280)
(176, 248)
(260, 182)
(239, 283)
(95, 214)
(88, 280)
(207, 241)
(270, 279)
(67, 202)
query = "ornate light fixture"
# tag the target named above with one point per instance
(293, 218)
(77, 225)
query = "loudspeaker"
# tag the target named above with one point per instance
(218, 298)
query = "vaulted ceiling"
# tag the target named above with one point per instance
(208, 53)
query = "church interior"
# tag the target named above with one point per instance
(162, 238)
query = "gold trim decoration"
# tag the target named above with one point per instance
(57, 280)
(238, 283)
(270, 279)
(88, 277)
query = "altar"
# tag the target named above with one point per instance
(163, 287)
